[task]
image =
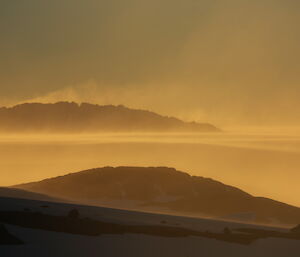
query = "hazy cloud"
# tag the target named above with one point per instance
(228, 62)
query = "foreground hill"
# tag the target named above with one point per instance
(39, 228)
(72, 117)
(165, 189)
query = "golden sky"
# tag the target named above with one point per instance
(233, 62)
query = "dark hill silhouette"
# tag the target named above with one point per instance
(73, 117)
(163, 188)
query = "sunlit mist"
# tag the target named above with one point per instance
(264, 164)
(233, 63)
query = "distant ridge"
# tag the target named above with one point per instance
(85, 117)
(163, 188)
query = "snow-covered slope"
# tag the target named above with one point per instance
(53, 244)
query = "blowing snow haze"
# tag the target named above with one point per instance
(226, 62)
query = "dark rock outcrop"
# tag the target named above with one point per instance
(6, 238)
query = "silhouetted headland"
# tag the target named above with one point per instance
(72, 117)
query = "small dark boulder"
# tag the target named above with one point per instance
(296, 230)
(6, 238)
(227, 231)
(73, 214)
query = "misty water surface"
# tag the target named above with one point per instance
(260, 162)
